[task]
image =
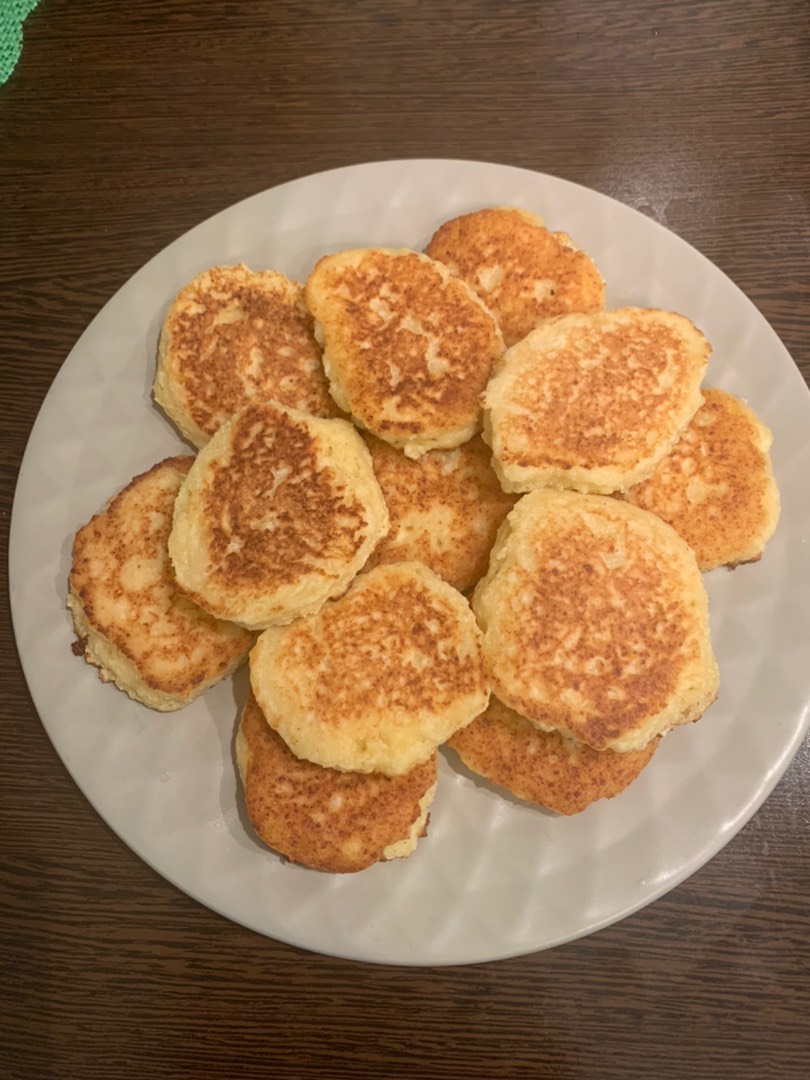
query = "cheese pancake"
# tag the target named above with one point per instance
(130, 621)
(544, 767)
(408, 347)
(278, 513)
(596, 621)
(379, 678)
(445, 509)
(594, 402)
(340, 822)
(716, 487)
(523, 272)
(234, 335)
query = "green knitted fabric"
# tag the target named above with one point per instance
(12, 16)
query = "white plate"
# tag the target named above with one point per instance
(494, 878)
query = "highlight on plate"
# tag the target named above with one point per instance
(438, 499)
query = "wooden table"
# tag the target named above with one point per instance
(124, 125)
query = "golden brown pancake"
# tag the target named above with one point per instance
(596, 621)
(445, 509)
(594, 402)
(544, 767)
(278, 513)
(522, 272)
(340, 822)
(232, 336)
(377, 679)
(130, 620)
(408, 347)
(716, 487)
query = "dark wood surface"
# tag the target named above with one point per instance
(124, 125)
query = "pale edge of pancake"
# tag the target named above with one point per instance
(166, 394)
(117, 668)
(771, 498)
(399, 849)
(527, 215)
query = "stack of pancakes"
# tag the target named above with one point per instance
(337, 746)
(440, 498)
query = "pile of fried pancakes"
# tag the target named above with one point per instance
(439, 498)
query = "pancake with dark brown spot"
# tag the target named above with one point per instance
(232, 336)
(594, 402)
(326, 819)
(445, 509)
(716, 487)
(408, 347)
(130, 620)
(377, 679)
(278, 513)
(596, 621)
(544, 767)
(523, 272)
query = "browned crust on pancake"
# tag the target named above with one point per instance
(326, 819)
(233, 335)
(596, 621)
(200, 649)
(272, 473)
(589, 402)
(445, 509)
(410, 346)
(377, 679)
(316, 520)
(544, 767)
(716, 486)
(532, 273)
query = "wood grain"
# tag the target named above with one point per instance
(126, 124)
